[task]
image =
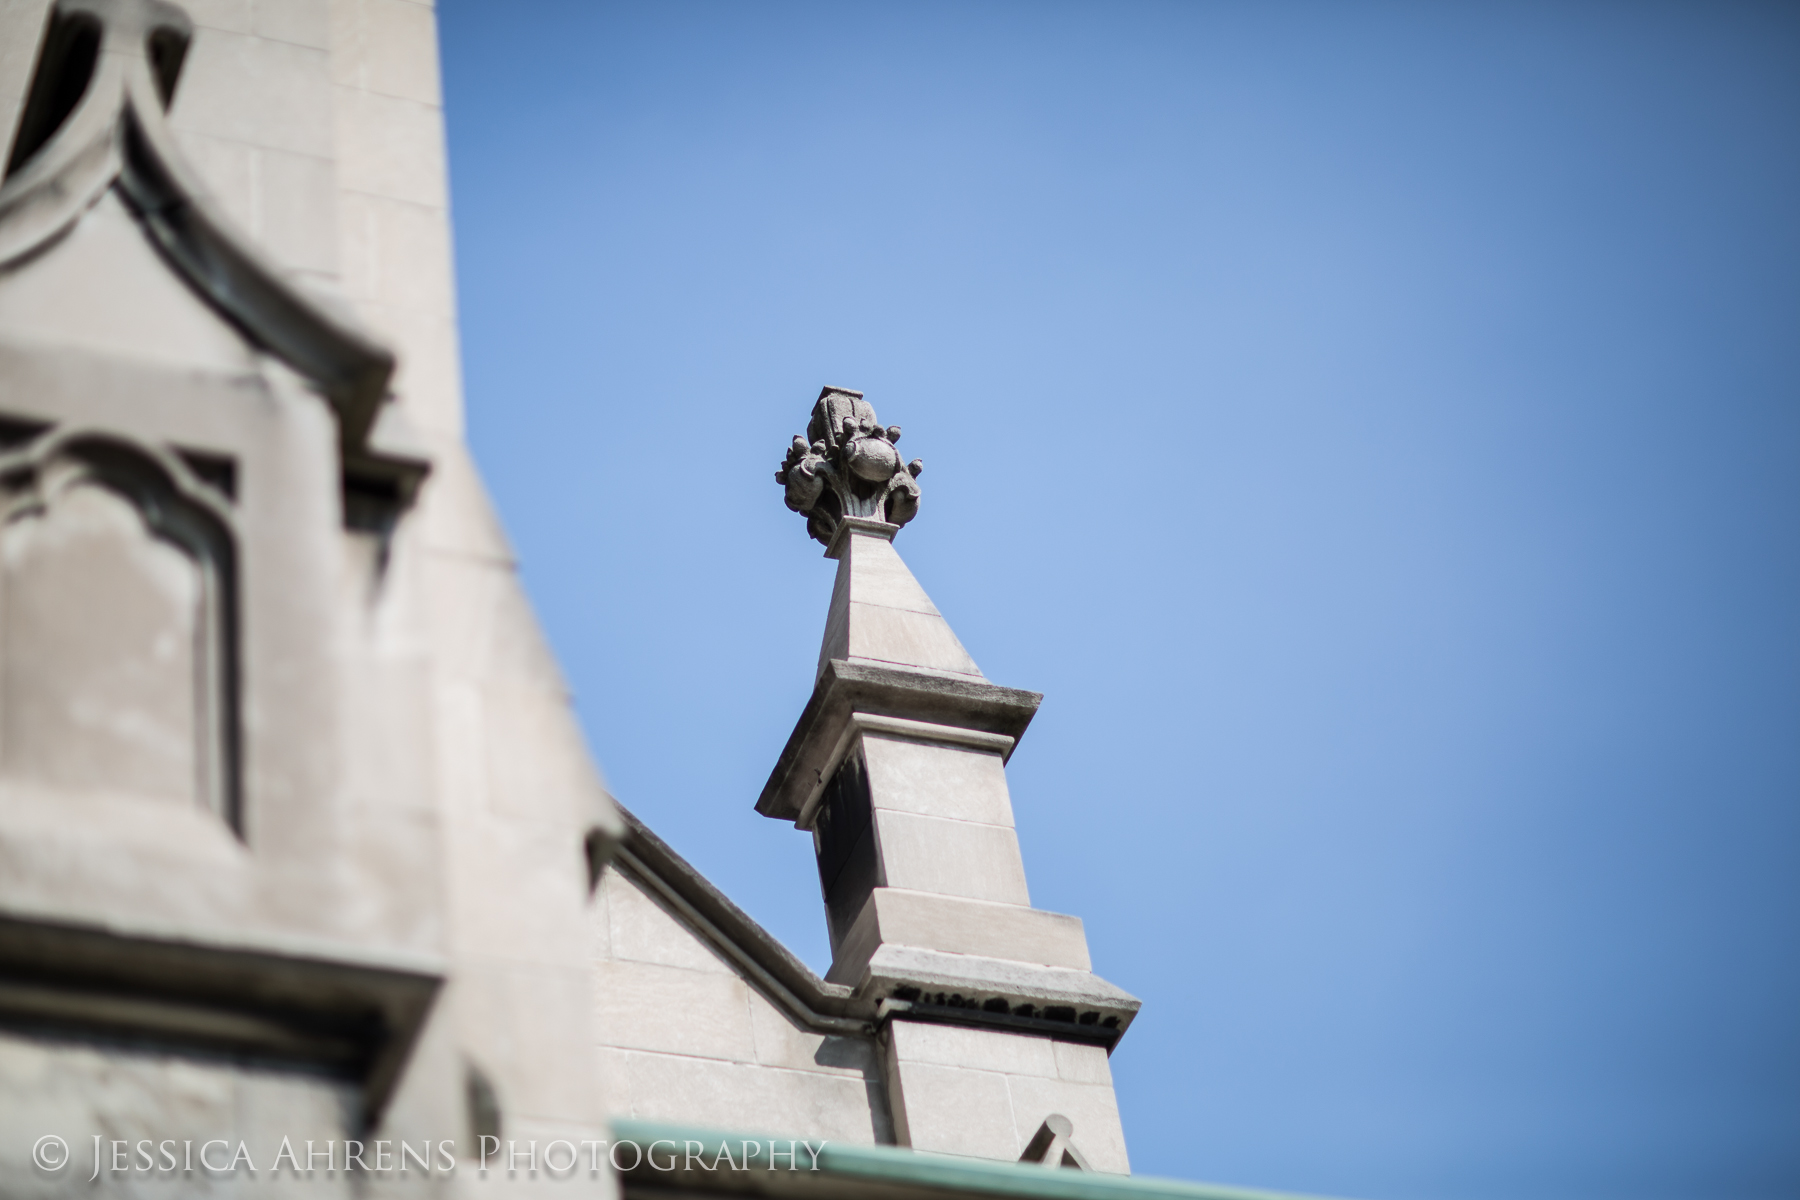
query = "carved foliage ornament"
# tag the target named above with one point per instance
(847, 466)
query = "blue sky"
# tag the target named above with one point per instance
(1375, 427)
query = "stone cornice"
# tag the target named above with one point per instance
(847, 687)
(340, 1009)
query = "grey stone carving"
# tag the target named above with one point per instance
(847, 466)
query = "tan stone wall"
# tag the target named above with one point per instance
(974, 1092)
(685, 1038)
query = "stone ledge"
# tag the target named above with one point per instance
(846, 687)
(860, 723)
(956, 925)
(975, 990)
(354, 1016)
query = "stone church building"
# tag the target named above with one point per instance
(302, 852)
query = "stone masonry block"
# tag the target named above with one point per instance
(675, 1011)
(412, 256)
(881, 577)
(78, 1091)
(780, 1042)
(739, 1097)
(937, 780)
(534, 1070)
(951, 858)
(1078, 1063)
(644, 931)
(428, 381)
(358, 241)
(506, 902)
(457, 520)
(232, 16)
(296, 218)
(973, 1049)
(896, 635)
(260, 92)
(390, 147)
(538, 765)
(303, 22)
(963, 926)
(228, 170)
(107, 289)
(386, 46)
(950, 1110)
(600, 948)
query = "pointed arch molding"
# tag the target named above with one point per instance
(118, 636)
(94, 119)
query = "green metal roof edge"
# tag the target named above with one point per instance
(894, 1164)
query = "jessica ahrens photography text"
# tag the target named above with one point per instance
(560, 1158)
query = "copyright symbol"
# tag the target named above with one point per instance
(50, 1152)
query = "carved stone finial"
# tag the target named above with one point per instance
(846, 466)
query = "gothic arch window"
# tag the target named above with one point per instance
(118, 613)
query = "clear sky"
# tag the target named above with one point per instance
(1375, 427)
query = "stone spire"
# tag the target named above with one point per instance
(897, 768)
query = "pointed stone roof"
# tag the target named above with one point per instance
(880, 614)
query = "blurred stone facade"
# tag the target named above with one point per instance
(299, 836)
